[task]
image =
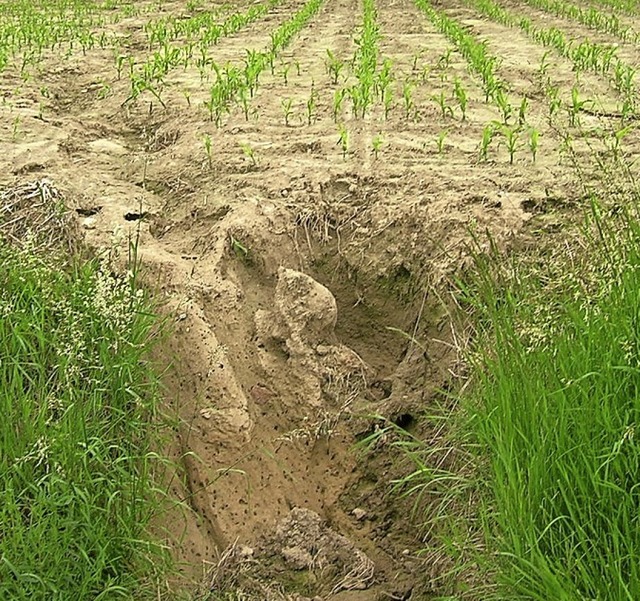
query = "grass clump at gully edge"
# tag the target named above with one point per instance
(76, 398)
(554, 415)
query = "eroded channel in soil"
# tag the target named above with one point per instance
(300, 286)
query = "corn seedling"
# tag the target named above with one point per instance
(440, 141)
(534, 139)
(311, 105)
(503, 104)
(445, 109)
(249, 153)
(407, 98)
(285, 73)
(615, 141)
(511, 137)
(461, 96)
(544, 64)
(287, 110)
(376, 145)
(334, 67)
(343, 140)
(553, 95)
(487, 137)
(240, 250)
(522, 111)
(576, 106)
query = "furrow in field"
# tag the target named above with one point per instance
(438, 145)
(291, 125)
(552, 85)
(586, 56)
(573, 29)
(594, 19)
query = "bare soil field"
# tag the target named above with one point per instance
(299, 243)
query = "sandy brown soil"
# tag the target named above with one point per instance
(291, 277)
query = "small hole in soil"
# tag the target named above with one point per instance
(404, 421)
(88, 212)
(135, 216)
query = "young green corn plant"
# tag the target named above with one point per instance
(553, 95)
(440, 141)
(311, 105)
(334, 67)
(544, 64)
(503, 104)
(615, 142)
(249, 153)
(511, 137)
(407, 98)
(376, 145)
(522, 111)
(487, 137)
(244, 99)
(534, 139)
(461, 95)
(445, 109)
(384, 78)
(576, 106)
(285, 73)
(343, 140)
(287, 110)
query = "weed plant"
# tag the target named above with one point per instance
(77, 398)
(529, 481)
(554, 413)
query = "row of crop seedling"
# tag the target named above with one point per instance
(474, 51)
(584, 54)
(205, 29)
(28, 30)
(590, 16)
(479, 59)
(236, 85)
(365, 61)
(150, 75)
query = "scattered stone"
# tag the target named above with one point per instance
(359, 514)
(89, 223)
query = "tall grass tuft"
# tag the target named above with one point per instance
(76, 402)
(555, 411)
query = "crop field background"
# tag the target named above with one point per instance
(404, 226)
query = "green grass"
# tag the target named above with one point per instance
(554, 412)
(77, 400)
